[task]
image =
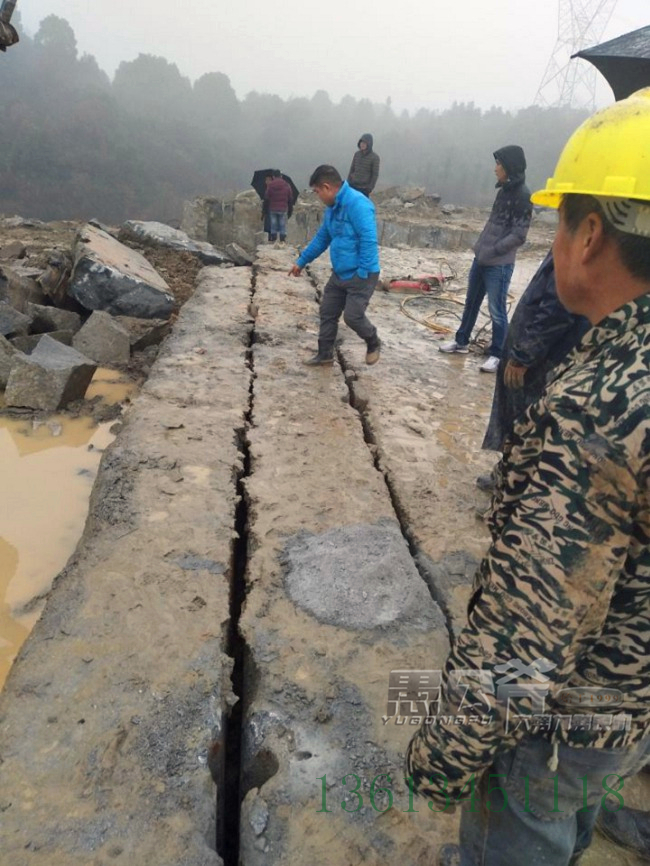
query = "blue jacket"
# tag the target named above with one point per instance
(349, 229)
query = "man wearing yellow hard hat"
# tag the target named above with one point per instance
(547, 688)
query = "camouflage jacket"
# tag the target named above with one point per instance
(567, 577)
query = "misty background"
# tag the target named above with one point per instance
(76, 143)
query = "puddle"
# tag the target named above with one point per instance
(48, 470)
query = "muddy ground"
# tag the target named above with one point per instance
(230, 529)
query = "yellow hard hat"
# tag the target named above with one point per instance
(609, 155)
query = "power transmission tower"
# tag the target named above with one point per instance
(581, 24)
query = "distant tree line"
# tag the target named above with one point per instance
(74, 144)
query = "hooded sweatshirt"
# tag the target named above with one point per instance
(364, 170)
(507, 227)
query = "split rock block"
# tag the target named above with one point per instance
(111, 277)
(46, 319)
(104, 340)
(50, 378)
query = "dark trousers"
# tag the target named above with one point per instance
(525, 814)
(350, 297)
(493, 280)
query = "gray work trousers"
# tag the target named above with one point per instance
(350, 297)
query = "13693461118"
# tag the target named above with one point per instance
(381, 797)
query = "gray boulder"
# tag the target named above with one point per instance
(13, 250)
(238, 255)
(144, 332)
(46, 319)
(50, 378)
(104, 340)
(8, 353)
(111, 277)
(12, 322)
(27, 343)
(161, 235)
(19, 289)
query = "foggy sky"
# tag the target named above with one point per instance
(420, 53)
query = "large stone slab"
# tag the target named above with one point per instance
(161, 235)
(118, 698)
(334, 603)
(111, 277)
(50, 378)
(103, 339)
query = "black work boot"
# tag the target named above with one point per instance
(319, 360)
(449, 855)
(373, 352)
(627, 827)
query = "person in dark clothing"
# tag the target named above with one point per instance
(364, 170)
(266, 216)
(494, 255)
(541, 334)
(280, 199)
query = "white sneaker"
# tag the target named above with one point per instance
(490, 366)
(452, 347)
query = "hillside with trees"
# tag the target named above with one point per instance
(74, 144)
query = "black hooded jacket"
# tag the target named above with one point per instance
(507, 227)
(364, 170)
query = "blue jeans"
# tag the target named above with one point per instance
(493, 280)
(278, 224)
(528, 818)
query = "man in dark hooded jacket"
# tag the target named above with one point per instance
(364, 170)
(495, 251)
(541, 334)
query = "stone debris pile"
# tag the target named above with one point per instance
(96, 302)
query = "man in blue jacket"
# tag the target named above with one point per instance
(349, 230)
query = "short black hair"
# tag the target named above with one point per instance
(634, 249)
(277, 172)
(325, 174)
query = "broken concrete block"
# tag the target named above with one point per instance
(104, 340)
(8, 353)
(238, 255)
(50, 378)
(144, 332)
(12, 322)
(13, 250)
(46, 319)
(111, 277)
(161, 235)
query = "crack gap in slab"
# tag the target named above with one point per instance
(229, 772)
(361, 408)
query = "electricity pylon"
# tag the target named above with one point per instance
(581, 24)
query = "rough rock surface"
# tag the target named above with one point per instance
(7, 354)
(45, 319)
(50, 378)
(111, 277)
(144, 332)
(159, 234)
(27, 343)
(111, 710)
(103, 339)
(239, 255)
(12, 322)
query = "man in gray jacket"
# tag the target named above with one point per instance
(495, 251)
(364, 170)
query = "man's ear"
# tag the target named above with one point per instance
(593, 237)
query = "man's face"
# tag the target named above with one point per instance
(326, 193)
(500, 172)
(363, 146)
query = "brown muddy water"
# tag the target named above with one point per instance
(48, 470)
